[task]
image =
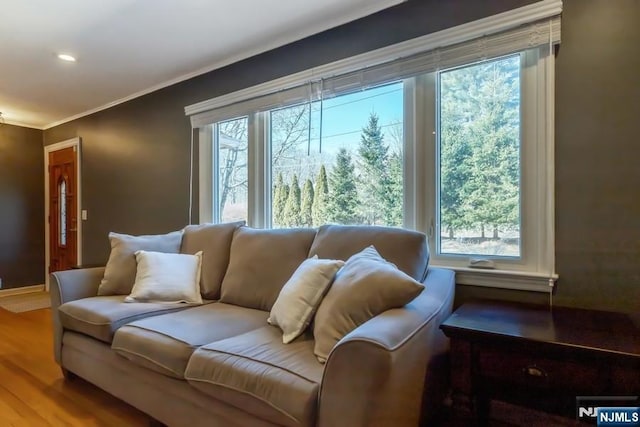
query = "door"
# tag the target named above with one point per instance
(63, 204)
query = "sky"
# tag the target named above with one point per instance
(344, 116)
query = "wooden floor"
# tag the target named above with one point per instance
(32, 390)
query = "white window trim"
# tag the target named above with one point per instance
(419, 210)
(259, 214)
(205, 174)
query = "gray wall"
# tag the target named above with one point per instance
(136, 155)
(135, 170)
(598, 155)
(21, 206)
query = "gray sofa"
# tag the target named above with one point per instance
(221, 364)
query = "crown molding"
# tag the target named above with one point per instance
(21, 124)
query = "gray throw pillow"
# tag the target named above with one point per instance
(120, 271)
(366, 286)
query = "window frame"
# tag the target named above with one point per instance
(529, 94)
(535, 268)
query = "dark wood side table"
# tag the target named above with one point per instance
(539, 357)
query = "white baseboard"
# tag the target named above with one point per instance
(21, 290)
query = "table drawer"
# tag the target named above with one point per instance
(538, 371)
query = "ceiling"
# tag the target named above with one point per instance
(126, 48)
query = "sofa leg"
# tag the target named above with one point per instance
(68, 375)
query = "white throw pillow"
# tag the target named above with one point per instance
(301, 296)
(163, 277)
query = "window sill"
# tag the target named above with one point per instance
(515, 280)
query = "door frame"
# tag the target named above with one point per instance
(76, 143)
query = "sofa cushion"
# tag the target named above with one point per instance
(261, 262)
(366, 286)
(256, 372)
(120, 271)
(99, 317)
(406, 249)
(214, 240)
(165, 343)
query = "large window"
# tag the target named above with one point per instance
(456, 142)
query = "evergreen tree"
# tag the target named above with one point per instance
(306, 216)
(374, 179)
(285, 197)
(291, 214)
(280, 195)
(343, 196)
(455, 155)
(480, 147)
(394, 199)
(321, 193)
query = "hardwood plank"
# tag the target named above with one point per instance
(14, 411)
(32, 390)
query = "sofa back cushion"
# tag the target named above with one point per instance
(406, 249)
(261, 262)
(214, 240)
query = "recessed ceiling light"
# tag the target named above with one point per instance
(66, 57)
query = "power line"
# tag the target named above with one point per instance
(354, 131)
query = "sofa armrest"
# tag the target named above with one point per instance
(70, 285)
(376, 375)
